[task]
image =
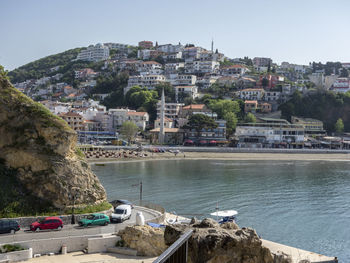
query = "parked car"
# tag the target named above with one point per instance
(118, 202)
(121, 213)
(47, 223)
(9, 226)
(94, 219)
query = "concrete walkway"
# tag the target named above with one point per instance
(80, 257)
(296, 253)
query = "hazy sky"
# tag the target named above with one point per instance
(298, 31)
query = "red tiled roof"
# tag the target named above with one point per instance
(165, 119)
(151, 62)
(194, 107)
(250, 101)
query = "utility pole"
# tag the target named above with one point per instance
(141, 191)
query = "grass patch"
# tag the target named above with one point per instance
(15, 98)
(90, 208)
(79, 153)
(10, 248)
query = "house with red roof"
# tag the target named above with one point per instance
(233, 70)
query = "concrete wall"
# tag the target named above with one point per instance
(95, 243)
(16, 256)
(100, 244)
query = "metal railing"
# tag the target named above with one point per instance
(177, 252)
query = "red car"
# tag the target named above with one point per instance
(47, 223)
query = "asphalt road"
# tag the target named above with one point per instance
(75, 230)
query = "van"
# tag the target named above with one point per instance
(9, 226)
(121, 213)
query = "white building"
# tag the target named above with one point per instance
(258, 134)
(149, 66)
(251, 94)
(233, 70)
(171, 68)
(182, 80)
(95, 53)
(206, 81)
(170, 48)
(141, 119)
(171, 110)
(192, 91)
(172, 56)
(148, 81)
(119, 116)
(201, 67)
(341, 85)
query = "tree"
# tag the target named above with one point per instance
(221, 107)
(344, 73)
(129, 131)
(250, 118)
(231, 122)
(199, 122)
(264, 82)
(339, 126)
(169, 91)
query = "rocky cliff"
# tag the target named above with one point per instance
(39, 150)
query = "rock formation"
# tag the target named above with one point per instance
(214, 243)
(41, 150)
(210, 242)
(148, 241)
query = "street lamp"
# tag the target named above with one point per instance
(74, 195)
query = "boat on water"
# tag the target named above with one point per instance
(225, 216)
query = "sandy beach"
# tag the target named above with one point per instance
(230, 156)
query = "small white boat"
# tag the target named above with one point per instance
(225, 215)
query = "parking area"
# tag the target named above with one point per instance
(75, 230)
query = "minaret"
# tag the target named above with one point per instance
(161, 130)
(212, 45)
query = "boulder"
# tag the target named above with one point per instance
(214, 243)
(148, 241)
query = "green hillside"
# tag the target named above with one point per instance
(41, 67)
(325, 106)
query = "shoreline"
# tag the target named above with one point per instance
(342, 157)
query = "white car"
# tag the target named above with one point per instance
(121, 213)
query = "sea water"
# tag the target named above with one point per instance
(304, 204)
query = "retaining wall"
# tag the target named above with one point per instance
(16, 255)
(100, 244)
(27, 221)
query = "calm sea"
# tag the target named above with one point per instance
(298, 203)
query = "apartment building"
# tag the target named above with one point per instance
(171, 110)
(74, 120)
(146, 44)
(251, 94)
(95, 53)
(183, 91)
(262, 62)
(269, 134)
(233, 70)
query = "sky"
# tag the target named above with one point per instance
(297, 31)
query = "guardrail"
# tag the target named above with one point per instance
(152, 206)
(177, 252)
